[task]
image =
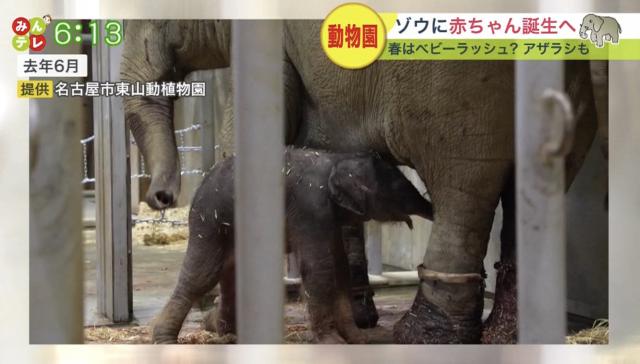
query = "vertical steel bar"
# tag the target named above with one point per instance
(113, 199)
(55, 223)
(259, 183)
(205, 113)
(221, 88)
(121, 202)
(540, 207)
(55, 216)
(624, 200)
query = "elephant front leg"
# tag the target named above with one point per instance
(325, 285)
(448, 306)
(449, 302)
(344, 309)
(320, 293)
(361, 293)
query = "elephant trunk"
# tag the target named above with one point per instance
(152, 129)
(148, 56)
(583, 31)
(160, 50)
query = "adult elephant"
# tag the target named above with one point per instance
(452, 121)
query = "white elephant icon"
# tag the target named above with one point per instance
(602, 28)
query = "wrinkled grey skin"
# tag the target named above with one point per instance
(166, 50)
(162, 50)
(601, 27)
(453, 121)
(323, 191)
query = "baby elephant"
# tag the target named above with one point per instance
(323, 192)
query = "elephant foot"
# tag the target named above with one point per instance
(210, 321)
(206, 302)
(330, 337)
(447, 310)
(379, 335)
(161, 339)
(335, 336)
(364, 309)
(501, 327)
(160, 334)
(166, 326)
(220, 322)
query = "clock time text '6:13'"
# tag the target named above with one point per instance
(67, 32)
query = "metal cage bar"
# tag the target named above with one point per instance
(113, 198)
(259, 183)
(540, 198)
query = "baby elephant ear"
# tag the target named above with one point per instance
(345, 187)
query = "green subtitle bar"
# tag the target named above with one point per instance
(508, 49)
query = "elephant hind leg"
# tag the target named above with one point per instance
(200, 272)
(167, 325)
(501, 327)
(363, 307)
(614, 37)
(343, 310)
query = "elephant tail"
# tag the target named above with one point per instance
(619, 29)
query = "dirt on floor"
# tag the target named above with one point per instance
(391, 303)
(158, 249)
(295, 334)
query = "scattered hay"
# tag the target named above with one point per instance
(296, 334)
(163, 239)
(206, 337)
(598, 334)
(142, 335)
(162, 233)
(117, 335)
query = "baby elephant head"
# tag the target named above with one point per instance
(374, 189)
(590, 22)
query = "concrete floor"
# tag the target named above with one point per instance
(155, 271)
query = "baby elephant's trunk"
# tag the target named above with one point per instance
(424, 209)
(420, 207)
